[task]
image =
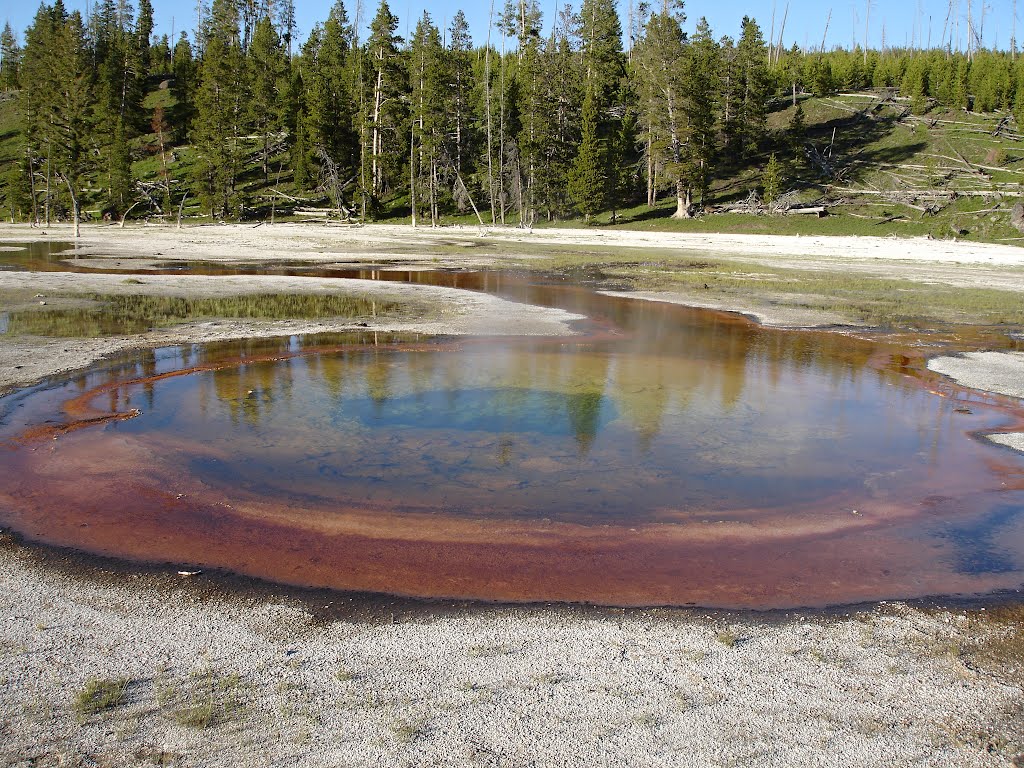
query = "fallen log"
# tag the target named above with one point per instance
(818, 210)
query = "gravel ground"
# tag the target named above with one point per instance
(215, 676)
(998, 372)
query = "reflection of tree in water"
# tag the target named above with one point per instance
(378, 379)
(584, 412)
(642, 393)
(587, 382)
(250, 391)
(107, 315)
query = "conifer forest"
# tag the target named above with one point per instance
(239, 120)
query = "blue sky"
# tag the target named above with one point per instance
(903, 20)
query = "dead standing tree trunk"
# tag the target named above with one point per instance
(74, 204)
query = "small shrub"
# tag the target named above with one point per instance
(202, 715)
(203, 700)
(728, 638)
(344, 674)
(407, 731)
(99, 694)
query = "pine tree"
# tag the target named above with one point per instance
(701, 81)
(269, 86)
(961, 100)
(660, 55)
(220, 109)
(330, 130)
(604, 69)
(459, 106)
(183, 86)
(771, 180)
(120, 89)
(562, 99)
(751, 72)
(602, 59)
(286, 21)
(427, 97)
(385, 108)
(588, 175)
(796, 136)
(10, 59)
(57, 104)
(522, 20)
(17, 190)
(915, 85)
(143, 34)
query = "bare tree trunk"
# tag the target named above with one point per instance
(434, 214)
(650, 169)
(181, 207)
(277, 184)
(684, 203)
(502, 202)
(782, 31)
(32, 184)
(412, 170)
(163, 164)
(125, 216)
(378, 95)
(46, 200)
(74, 205)
(487, 108)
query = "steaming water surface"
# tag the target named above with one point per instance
(664, 456)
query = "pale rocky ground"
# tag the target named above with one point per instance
(218, 677)
(998, 372)
(222, 673)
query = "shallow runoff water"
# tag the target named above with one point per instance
(662, 456)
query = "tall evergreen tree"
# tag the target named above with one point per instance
(459, 105)
(329, 130)
(183, 86)
(427, 78)
(604, 68)
(120, 88)
(268, 81)
(588, 175)
(751, 86)
(562, 99)
(286, 22)
(143, 34)
(604, 64)
(522, 20)
(58, 101)
(385, 108)
(10, 59)
(660, 58)
(220, 110)
(701, 82)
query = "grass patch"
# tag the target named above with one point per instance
(99, 694)
(203, 700)
(407, 731)
(117, 315)
(728, 638)
(877, 301)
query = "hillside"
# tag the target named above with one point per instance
(875, 167)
